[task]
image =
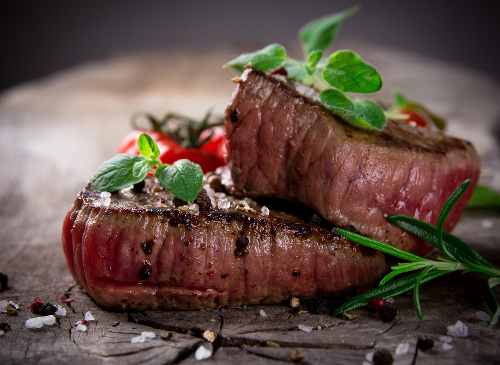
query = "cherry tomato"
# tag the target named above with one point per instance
(170, 151)
(416, 118)
(216, 144)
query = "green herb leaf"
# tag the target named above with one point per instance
(491, 300)
(416, 292)
(117, 173)
(429, 233)
(321, 33)
(402, 101)
(141, 168)
(346, 71)
(312, 61)
(448, 205)
(148, 147)
(296, 72)
(484, 197)
(471, 261)
(389, 290)
(362, 113)
(377, 245)
(183, 179)
(271, 57)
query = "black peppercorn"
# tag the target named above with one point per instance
(424, 343)
(382, 357)
(147, 247)
(241, 246)
(234, 115)
(203, 201)
(320, 306)
(178, 202)
(47, 309)
(146, 271)
(387, 314)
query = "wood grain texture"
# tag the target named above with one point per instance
(56, 131)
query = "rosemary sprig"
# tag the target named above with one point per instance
(458, 256)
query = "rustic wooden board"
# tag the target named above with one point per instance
(55, 132)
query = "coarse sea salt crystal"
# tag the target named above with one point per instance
(202, 353)
(446, 339)
(61, 312)
(447, 347)
(262, 313)
(89, 316)
(105, 194)
(483, 316)
(4, 304)
(305, 328)
(402, 348)
(138, 339)
(458, 330)
(38, 322)
(390, 300)
(149, 335)
(369, 356)
(81, 327)
(2, 333)
(142, 337)
(224, 204)
(265, 210)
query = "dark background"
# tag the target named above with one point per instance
(41, 37)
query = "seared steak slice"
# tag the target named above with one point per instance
(137, 251)
(282, 144)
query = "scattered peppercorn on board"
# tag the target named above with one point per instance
(54, 133)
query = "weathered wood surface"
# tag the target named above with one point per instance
(55, 132)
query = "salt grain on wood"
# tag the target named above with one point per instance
(305, 328)
(402, 348)
(458, 330)
(202, 353)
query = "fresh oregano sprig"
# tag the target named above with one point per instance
(342, 72)
(183, 178)
(458, 257)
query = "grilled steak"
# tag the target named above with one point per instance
(285, 145)
(137, 250)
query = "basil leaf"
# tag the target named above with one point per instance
(346, 71)
(321, 33)
(389, 290)
(429, 233)
(141, 168)
(491, 300)
(361, 113)
(312, 61)
(296, 72)
(402, 101)
(183, 179)
(337, 99)
(484, 197)
(271, 57)
(117, 173)
(148, 147)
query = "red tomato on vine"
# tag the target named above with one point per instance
(178, 137)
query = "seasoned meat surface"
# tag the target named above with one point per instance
(282, 144)
(138, 251)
